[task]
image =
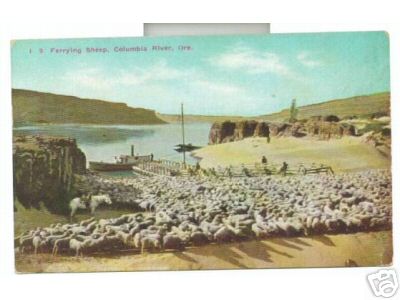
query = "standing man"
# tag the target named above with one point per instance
(264, 160)
(284, 168)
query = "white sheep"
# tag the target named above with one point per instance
(75, 204)
(96, 200)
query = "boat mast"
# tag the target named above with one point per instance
(183, 136)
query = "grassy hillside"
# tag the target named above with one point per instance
(361, 106)
(37, 107)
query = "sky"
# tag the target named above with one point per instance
(215, 75)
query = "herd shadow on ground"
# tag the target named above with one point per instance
(260, 250)
(235, 253)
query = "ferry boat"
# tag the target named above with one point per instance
(122, 163)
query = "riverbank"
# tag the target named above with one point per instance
(348, 154)
(365, 249)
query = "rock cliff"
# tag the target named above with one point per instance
(45, 170)
(323, 128)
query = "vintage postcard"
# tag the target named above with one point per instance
(218, 152)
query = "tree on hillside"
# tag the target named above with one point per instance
(293, 112)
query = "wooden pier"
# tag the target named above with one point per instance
(163, 167)
(171, 168)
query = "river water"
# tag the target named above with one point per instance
(104, 142)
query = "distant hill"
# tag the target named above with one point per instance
(360, 106)
(199, 118)
(38, 107)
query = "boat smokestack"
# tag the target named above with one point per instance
(132, 150)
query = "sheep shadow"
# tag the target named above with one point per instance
(231, 257)
(271, 249)
(109, 253)
(300, 242)
(323, 239)
(256, 250)
(285, 243)
(223, 252)
(184, 256)
(261, 250)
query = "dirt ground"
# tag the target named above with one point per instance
(366, 249)
(348, 154)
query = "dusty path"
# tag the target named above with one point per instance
(366, 249)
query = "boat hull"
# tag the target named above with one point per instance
(126, 164)
(186, 148)
(109, 167)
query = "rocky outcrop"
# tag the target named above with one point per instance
(381, 140)
(45, 170)
(322, 127)
(262, 130)
(327, 130)
(222, 132)
(244, 129)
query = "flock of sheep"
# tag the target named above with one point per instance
(171, 213)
